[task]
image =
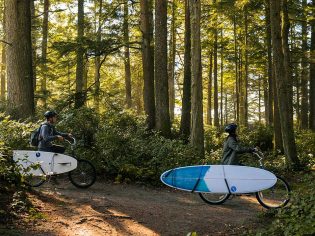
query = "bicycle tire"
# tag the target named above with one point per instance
(34, 181)
(84, 175)
(214, 198)
(275, 197)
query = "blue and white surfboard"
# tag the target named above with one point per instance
(219, 179)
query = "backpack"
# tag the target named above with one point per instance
(34, 140)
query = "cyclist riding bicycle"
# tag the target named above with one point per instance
(48, 134)
(232, 148)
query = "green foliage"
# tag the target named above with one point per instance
(129, 151)
(305, 143)
(257, 135)
(298, 217)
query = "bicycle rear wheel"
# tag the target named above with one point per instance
(275, 197)
(214, 198)
(84, 175)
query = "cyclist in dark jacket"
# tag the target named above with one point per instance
(48, 134)
(232, 148)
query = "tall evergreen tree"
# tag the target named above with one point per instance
(19, 59)
(197, 130)
(186, 102)
(160, 73)
(281, 79)
(79, 91)
(148, 60)
(127, 56)
(312, 71)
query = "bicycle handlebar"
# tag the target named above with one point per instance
(74, 143)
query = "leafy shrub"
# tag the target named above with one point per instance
(128, 150)
(15, 134)
(298, 217)
(305, 143)
(257, 135)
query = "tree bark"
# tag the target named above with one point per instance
(197, 131)
(221, 80)
(312, 72)
(44, 54)
(148, 60)
(246, 69)
(160, 74)
(304, 74)
(19, 59)
(97, 75)
(33, 35)
(209, 102)
(127, 56)
(237, 95)
(79, 92)
(215, 75)
(286, 119)
(186, 102)
(171, 68)
(3, 63)
(270, 97)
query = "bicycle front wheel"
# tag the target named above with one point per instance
(276, 196)
(214, 198)
(84, 175)
(34, 181)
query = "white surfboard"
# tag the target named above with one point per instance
(50, 163)
(219, 179)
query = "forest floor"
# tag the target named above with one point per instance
(121, 209)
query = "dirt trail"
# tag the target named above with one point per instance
(109, 209)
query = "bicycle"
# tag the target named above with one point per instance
(275, 197)
(83, 176)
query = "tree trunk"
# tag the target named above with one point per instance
(3, 63)
(270, 97)
(281, 85)
(221, 80)
(97, 75)
(19, 59)
(278, 143)
(215, 74)
(304, 74)
(44, 54)
(312, 72)
(148, 61)
(197, 132)
(186, 103)
(237, 95)
(209, 106)
(127, 56)
(246, 69)
(171, 69)
(160, 74)
(33, 35)
(79, 92)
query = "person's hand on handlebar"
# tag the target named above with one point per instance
(60, 138)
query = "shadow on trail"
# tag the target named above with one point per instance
(164, 211)
(135, 210)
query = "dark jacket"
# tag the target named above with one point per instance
(231, 148)
(48, 134)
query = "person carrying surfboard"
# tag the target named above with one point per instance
(48, 134)
(232, 148)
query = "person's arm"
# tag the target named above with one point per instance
(233, 144)
(65, 135)
(44, 134)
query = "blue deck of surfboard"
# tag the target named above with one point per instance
(187, 178)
